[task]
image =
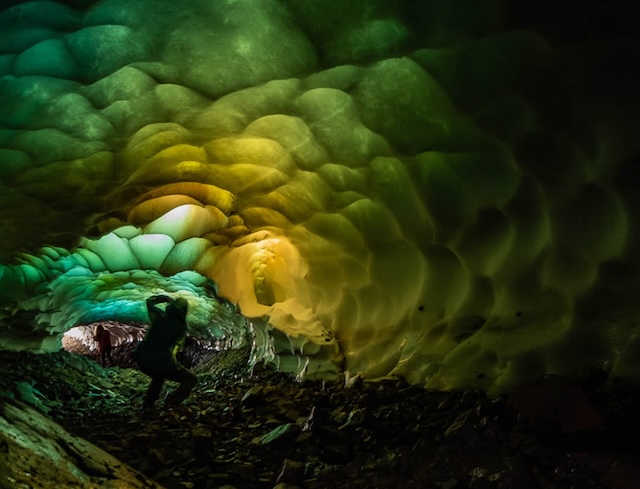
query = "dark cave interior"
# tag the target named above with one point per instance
(408, 234)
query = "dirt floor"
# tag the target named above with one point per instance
(262, 429)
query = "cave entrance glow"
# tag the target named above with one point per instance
(80, 340)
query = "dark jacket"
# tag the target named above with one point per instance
(165, 336)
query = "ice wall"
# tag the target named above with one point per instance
(400, 188)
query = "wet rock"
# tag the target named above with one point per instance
(29, 394)
(355, 418)
(317, 417)
(35, 449)
(282, 434)
(252, 396)
(292, 472)
(465, 426)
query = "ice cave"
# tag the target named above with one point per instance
(443, 192)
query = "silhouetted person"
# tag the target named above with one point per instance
(103, 337)
(156, 353)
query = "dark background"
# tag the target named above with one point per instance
(562, 22)
(565, 22)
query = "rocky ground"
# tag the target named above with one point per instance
(263, 429)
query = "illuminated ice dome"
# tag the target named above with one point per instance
(382, 188)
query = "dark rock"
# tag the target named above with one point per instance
(292, 472)
(383, 435)
(34, 449)
(201, 440)
(252, 395)
(555, 405)
(245, 471)
(282, 434)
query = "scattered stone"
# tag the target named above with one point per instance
(355, 418)
(264, 429)
(251, 396)
(292, 472)
(282, 433)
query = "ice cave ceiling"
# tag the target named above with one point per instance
(387, 188)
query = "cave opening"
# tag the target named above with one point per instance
(124, 337)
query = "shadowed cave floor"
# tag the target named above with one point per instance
(264, 429)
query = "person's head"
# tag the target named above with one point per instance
(178, 308)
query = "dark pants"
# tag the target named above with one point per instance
(186, 378)
(104, 354)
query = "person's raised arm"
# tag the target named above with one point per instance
(152, 304)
